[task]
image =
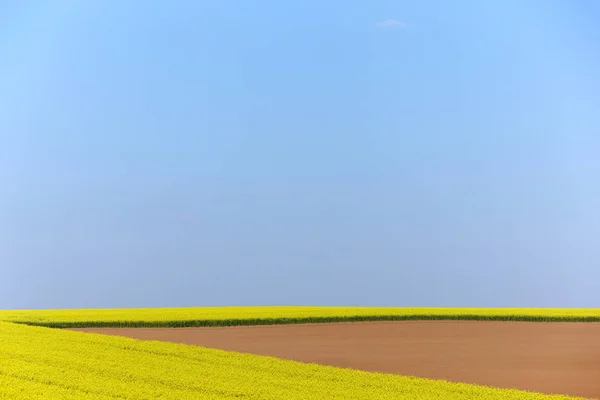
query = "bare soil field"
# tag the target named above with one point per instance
(548, 357)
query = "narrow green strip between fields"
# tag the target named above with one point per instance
(232, 316)
(305, 320)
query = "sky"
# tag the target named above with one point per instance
(335, 153)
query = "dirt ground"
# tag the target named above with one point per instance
(561, 358)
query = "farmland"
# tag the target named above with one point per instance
(38, 362)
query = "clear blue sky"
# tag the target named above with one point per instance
(376, 153)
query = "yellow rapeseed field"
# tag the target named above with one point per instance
(45, 363)
(172, 317)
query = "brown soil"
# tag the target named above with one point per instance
(561, 358)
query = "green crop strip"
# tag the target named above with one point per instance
(231, 316)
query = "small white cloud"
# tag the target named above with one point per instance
(390, 23)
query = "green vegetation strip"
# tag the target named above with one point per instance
(233, 316)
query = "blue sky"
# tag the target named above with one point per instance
(376, 153)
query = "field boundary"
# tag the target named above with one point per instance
(196, 323)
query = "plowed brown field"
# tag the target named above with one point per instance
(561, 358)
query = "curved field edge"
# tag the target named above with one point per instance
(43, 363)
(231, 316)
